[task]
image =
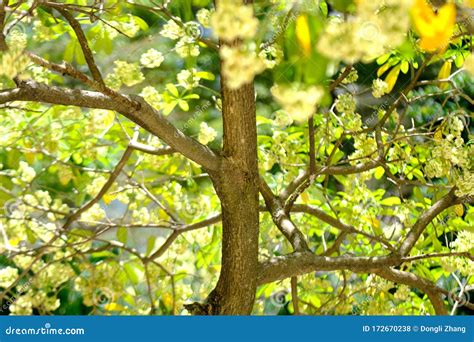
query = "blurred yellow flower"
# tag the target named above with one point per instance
(444, 73)
(435, 28)
(303, 34)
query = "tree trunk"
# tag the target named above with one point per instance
(236, 185)
(237, 188)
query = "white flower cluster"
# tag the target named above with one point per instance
(378, 25)
(152, 59)
(233, 20)
(463, 243)
(206, 134)
(7, 276)
(188, 79)
(129, 27)
(449, 151)
(346, 105)
(352, 77)
(465, 184)
(204, 17)
(172, 30)
(187, 35)
(94, 214)
(125, 73)
(379, 88)
(271, 55)
(24, 174)
(153, 97)
(240, 65)
(297, 100)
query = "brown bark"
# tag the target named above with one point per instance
(236, 185)
(237, 188)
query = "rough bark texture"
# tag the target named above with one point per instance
(236, 185)
(237, 188)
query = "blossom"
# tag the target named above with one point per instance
(345, 103)
(282, 119)
(153, 97)
(206, 134)
(233, 20)
(128, 73)
(152, 59)
(188, 79)
(271, 55)
(204, 17)
(299, 101)
(7, 276)
(379, 88)
(240, 65)
(469, 64)
(172, 30)
(25, 173)
(435, 28)
(378, 26)
(465, 184)
(187, 47)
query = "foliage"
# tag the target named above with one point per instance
(364, 125)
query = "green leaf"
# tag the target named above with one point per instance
(172, 89)
(134, 271)
(323, 6)
(382, 59)
(183, 105)
(122, 234)
(206, 75)
(379, 172)
(404, 66)
(150, 245)
(141, 23)
(390, 201)
(191, 97)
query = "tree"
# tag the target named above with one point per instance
(245, 149)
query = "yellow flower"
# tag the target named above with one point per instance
(444, 73)
(435, 28)
(303, 35)
(392, 78)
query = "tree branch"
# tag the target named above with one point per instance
(425, 219)
(145, 116)
(320, 214)
(178, 231)
(81, 37)
(282, 220)
(433, 292)
(298, 263)
(126, 155)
